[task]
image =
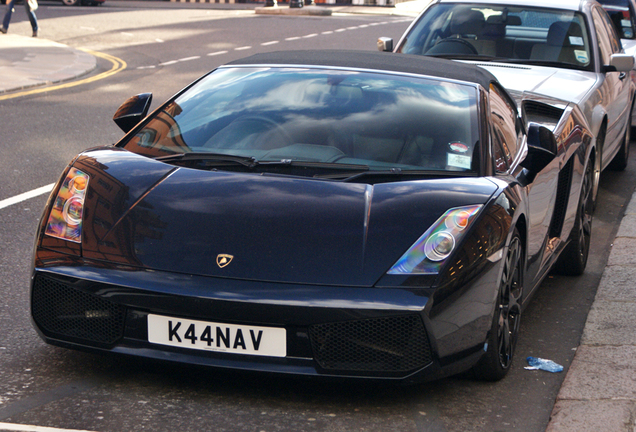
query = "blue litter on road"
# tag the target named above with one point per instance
(543, 364)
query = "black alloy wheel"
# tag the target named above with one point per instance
(573, 259)
(502, 338)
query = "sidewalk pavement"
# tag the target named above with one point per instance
(29, 62)
(599, 391)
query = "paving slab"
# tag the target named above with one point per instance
(618, 283)
(601, 373)
(592, 416)
(623, 252)
(610, 323)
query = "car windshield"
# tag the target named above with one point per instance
(502, 33)
(343, 118)
(619, 12)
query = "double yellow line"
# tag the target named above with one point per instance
(118, 65)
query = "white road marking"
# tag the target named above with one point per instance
(292, 38)
(189, 58)
(31, 428)
(217, 53)
(23, 197)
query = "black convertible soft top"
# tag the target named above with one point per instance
(375, 60)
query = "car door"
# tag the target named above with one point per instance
(507, 141)
(615, 89)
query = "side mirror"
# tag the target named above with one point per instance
(132, 111)
(385, 44)
(542, 148)
(620, 63)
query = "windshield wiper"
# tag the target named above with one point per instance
(216, 159)
(249, 162)
(393, 172)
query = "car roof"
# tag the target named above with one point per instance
(574, 5)
(373, 60)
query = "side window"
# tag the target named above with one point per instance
(621, 13)
(503, 118)
(611, 31)
(501, 158)
(608, 43)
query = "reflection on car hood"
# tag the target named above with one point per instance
(566, 84)
(146, 213)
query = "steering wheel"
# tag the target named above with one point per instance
(272, 128)
(261, 127)
(452, 46)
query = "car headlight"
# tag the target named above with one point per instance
(65, 219)
(430, 251)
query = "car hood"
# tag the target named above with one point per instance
(565, 84)
(145, 213)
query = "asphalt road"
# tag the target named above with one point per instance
(165, 47)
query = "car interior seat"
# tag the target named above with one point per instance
(470, 25)
(563, 39)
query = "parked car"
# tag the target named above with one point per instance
(317, 213)
(73, 2)
(622, 14)
(83, 2)
(562, 49)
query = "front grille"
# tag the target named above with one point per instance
(392, 344)
(66, 312)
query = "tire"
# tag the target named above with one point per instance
(573, 259)
(619, 163)
(71, 2)
(502, 337)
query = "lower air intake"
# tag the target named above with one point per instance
(393, 344)
(63, 311)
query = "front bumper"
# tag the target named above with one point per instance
(380, 333)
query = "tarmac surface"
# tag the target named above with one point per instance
(599, 390)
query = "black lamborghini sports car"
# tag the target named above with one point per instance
(336, 213)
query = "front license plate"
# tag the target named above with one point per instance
(211, 336)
